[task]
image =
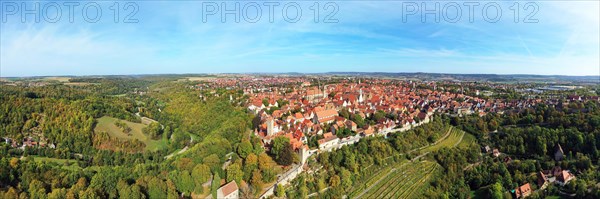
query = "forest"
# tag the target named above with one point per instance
(71, 160)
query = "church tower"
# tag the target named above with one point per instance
(360, 96)
(270, 130)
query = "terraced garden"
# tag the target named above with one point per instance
(375, 177)
(402, 181)
(408, 179)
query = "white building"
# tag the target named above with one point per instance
(229, 191)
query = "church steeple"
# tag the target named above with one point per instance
(360, 96)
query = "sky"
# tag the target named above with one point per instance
(156, 37)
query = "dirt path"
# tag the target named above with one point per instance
(176, 153)
(436, 142)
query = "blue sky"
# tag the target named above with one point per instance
(369, 36)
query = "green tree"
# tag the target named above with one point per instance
(153, 129)
(346, 177)
(157, 188)
(280, 191)
(171, 190)
(245, 148)
(359, 120)
(212, 161)
(496, 191)
(37, 189)
(216, 183)
(234, 172)
(183, 181)
(279, 144)
(58, 193)
(89, 193)
(286, 156)
(200, 174)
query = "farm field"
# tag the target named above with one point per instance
(107, 124)
(59, 79)
(403, 181)
(80, 83)
(452, 140)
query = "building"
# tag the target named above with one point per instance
(559, 154)
(542, 180)
(329, 140)
(229, 191)
(303, 153)
(523, 191)
(270, 126)
(325, 116)
(564, 177)
(496, 152)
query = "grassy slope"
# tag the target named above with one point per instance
(107, 124)
(449, 142)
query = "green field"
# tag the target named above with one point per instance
(404, 181)
(452, 140)
(107, 124)
(66, 164)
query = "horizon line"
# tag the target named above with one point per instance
(302, 73)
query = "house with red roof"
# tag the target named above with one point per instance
(523, 191)
(325, 116)
(228, 191)
(329, 140)
(564, 177)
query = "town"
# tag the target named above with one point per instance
(302, 110)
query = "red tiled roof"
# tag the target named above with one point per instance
(229, 188)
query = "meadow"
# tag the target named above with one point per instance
(107, 124)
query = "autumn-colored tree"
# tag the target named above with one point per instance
(334, 181)
(264, 161)
(256, 180)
